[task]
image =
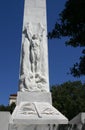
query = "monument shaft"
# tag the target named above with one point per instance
(34, 52)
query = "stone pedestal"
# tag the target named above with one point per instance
(34, 127)
(34, 97)
(35, 112)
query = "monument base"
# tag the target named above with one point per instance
(35, 112)
(33, 127)
(34, 97)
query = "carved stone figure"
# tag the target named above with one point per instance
(33, 50)
(25, 65)
(31, 78)
(35, 53)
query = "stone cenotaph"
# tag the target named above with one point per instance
(34, 110)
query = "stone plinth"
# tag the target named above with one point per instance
(34, 97)
(34, 127)
(39, 115)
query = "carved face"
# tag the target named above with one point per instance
(27, 26)
(35, 36)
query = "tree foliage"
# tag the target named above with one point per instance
(9, 108)
(69, 98)
(71, 24)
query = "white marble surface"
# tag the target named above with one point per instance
(4, 120)
(79, 121)
(34, 74)
(80, 118)
(34, 97)
(37, 113)
(33, 127)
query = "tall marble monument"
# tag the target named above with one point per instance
(34, 110)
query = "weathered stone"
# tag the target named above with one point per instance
(4, 120)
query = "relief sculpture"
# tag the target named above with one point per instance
(31, 78)
(39, 109)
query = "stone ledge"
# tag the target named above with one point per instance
(37, 113)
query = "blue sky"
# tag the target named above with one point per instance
(61, 58)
